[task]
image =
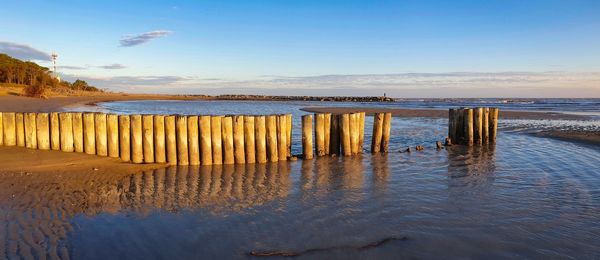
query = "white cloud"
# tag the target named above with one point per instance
(133, 40)
(114, 66)
(23, 51)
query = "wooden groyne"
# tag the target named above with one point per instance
(472, 126)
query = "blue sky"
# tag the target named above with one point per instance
(403, 48)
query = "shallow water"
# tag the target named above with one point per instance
(524, 197)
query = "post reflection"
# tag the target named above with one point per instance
(471, 167)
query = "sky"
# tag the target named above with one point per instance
(505, 48)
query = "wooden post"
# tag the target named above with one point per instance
(345, 134)
(205, 141)
(125, 138)
(43, 131)
(137, 150)
(260, 139)
(78, 132)
(272, 152)
(385, 136)
(249, 144)
(282, 146)
(477, 125)
(160, 151)
(485, 136)
(89, 133)
(54, 131)
(288, 120)
(148, 138)
(320, 134)
(66, 132)
(361, 131)
(193, 141)
(30, 131)
(171, 140)
(377, 132)
(307, 139)
(238, 140)
(1, 130)
(460, 126)
(468, 126)
(227, 137)
(101, 138)
(216, 139)
(112, 135)
(354, 133)
(334, 135)
(327, 133)
(451, 125)
(182, 140)
(494, 113)
(10, 132)
(20, 128)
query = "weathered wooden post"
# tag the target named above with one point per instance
(334, 135)
(477, 125)
(345, 134)
(78, 132)
(89, 133)
(327, 133)
(101, 137)
(238, 140)
(361, 131)
(320, 134)
(227, 137)
(160, 151)
(182, 140)
(494, 112)
(468, 126)
(112, 135)
(137, 146)
(124, 138)
(30, 131)
(216, 139)
(385, 136)
(354, 134)
(485, 136)
(148, 138)
(288, 120)
(20, 128)
(205, 141)
(282, 146)
(272, 152)
(193, 142)
(171, 140)
(1, 130)
(307, 139)
(54, 131)
(460, 126)
(43, 131)
(377, 132)
(260, 139)
(66, 132)
(452, 125)
(10, 131)
(249, 144)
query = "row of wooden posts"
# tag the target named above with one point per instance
(473, 126)
(192, 140)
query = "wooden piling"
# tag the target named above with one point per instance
(216, 139)
(260, 138)
(385, 136)
(307, 139)
(160, 150)
(238, 140)
(249, 135)
(30, 131)
(137, 146)
(361, 131)
(182, 140)
(112, 135)
(477, 125)
(43, 131)
(193, 141)
(320, 134)
(171, 140)
(493, 121)
(271, 127)
(20, 128)
(205, 141)
(354, 134)
(327, 133)
(468, 126)
(10, 131)
(451, 125)
(334, 135)
(54, 131)
(124, 138)
(485, 136)
(148, 138)
(377, 132)
(78, 142)
(89, 133)
(1, 130)
(460, 126)
(227, 137)
(282, 146)
(345, 134)
(66, 132)
(101, 137)
(288, 120)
